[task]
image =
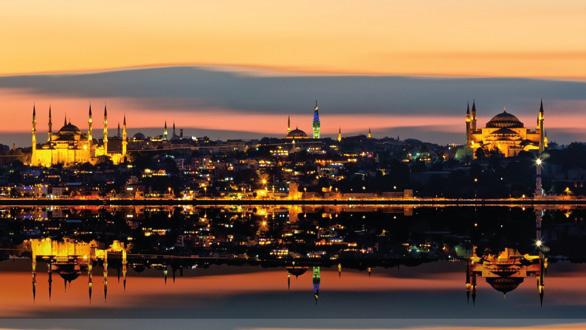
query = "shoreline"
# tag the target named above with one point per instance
(203, 202)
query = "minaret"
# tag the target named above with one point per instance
(369, 134)
(339, 134)
(50, 132)
(288, 124)
(468, 126)
(124, 138)
(174, 132)
(105, 131)
(118, 130)
(316, 123)
(473, 126)
(540, 129)
(34, 136)
(165, 131)
(90, 125)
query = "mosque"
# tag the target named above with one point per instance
(505, 133)
(69, 145)
(315, 126)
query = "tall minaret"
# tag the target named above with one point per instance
(118, 130)
(50, 126)
(339, 134)
(540, 129)
(316, 123)
(124, 137)
(90, 125)
(369, 134)
(165, 132)
(288, 124)
(473, 125)
(34, 136)
(468, 125)
(174, 132)
(105, 133)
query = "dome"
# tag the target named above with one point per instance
(504, 284)
(139, 136)
(69, 129)
(297, 133)
(504, 120)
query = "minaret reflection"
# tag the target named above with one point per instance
(316, 282)
(506, 270)
(70, 259)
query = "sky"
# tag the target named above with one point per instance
(224, 68)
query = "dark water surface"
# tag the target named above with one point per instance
(294, 266)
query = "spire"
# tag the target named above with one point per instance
(50, 126)
(90, 124)
(34, 134)
(339, 134)
(316, 123)
(165, 131)
(288, 124)
(105, 131)
(174, 133)
(65, 120)
(467, 108)
(369, 133)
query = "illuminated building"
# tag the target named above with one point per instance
(505, 271)
(339, 135)
(70, 146)
(316, 124)
(504, 133)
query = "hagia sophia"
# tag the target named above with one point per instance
(69, 145)
(504, 133)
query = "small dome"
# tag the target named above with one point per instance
(139, 136)
(504, 120)
(297, 133)
(70, 129)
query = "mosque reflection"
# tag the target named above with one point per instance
(503, 246)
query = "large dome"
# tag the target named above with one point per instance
(504, 120)
(70, 128)
(297, 133)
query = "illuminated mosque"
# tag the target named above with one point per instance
(69, 145)
(505, 133)
(315, 126)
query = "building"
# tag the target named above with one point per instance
(316, 124)
(69, 145)
(504, 133)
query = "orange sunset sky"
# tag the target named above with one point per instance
(523, 39)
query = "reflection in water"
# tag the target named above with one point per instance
(504, 246)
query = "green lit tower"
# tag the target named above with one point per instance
(316, 124)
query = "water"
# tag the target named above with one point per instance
(299, 265)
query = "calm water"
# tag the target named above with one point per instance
(295, 263)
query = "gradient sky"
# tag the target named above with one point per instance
(275, 58)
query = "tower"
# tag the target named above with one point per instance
(316, 123)
(339, 134)
(34, 135)
(105, 131)
(118, 130)
(468, 126)
(50, 126)
(165, 131)
(473, 123)
(124, 138)
(90, 124)
(288, 124)
(174, 132)
(369, 134)
(540, 128)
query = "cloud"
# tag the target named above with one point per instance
(191, 88)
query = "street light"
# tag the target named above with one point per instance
(538, 161)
